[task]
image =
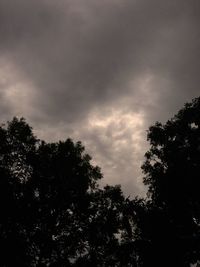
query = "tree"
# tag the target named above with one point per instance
(52, 211)
(168, 221)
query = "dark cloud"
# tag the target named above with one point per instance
(64, 62)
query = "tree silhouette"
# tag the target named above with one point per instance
(52, 211)
(167, 223)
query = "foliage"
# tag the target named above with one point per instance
(52, 211)
(168, 222)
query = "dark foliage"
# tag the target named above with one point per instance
(167, 224)
(52, 211)
(54, 214)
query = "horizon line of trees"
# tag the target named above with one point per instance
(53, 212)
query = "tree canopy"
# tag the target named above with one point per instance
(52, 211)
(168, 221)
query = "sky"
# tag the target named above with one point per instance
(101, 72)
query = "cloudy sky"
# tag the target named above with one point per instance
(99, 71)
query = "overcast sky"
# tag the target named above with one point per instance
(99, 71)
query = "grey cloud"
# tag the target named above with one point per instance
(80, 57)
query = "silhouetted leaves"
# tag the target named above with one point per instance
(52, 211)
(167, 225)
